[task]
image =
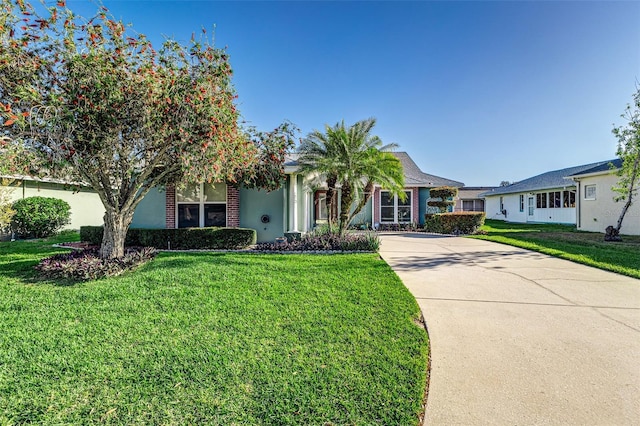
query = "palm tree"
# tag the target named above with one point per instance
(355, 159)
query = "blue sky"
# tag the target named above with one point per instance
(478, 92)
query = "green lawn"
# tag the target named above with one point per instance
(565, 242)
(211, 339)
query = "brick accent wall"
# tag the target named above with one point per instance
(233, 206)
(415, 205)
(170, 206)
(376, 205)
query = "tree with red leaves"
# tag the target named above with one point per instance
(96, 103)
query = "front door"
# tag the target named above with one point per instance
(530, 205)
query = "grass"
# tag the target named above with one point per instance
(565, 242)
(211, 339)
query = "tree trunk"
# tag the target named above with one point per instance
(331, 191)
(346, 200)
(116, 224)
(368, 192)
(632, 181)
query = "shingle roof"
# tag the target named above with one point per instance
(413, 176)
(554, 179)
(606, 166)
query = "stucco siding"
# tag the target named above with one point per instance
(423, 197)
(86, 207)
(151, 211)
(511, 203)
(254, 204)
(596, 215)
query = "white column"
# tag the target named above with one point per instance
(306, 226)
(293, 204)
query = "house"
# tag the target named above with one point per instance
(298, 206)
(469, 199)
(596, 208)
(86, 207)
(546, 198)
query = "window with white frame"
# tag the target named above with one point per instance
(589, 192)
(501, 204)
(201, 205)
(568, 199)
(555, 201)
(521, 202)
(395, 210)
(541, 200)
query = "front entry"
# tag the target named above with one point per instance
(531, 205)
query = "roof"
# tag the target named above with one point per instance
(413, 176)
(607, 166)
(554, 179)
(472, 192)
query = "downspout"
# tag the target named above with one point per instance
(578, 205)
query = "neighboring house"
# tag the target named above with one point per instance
(86, 207)
(469, 199)
(296, 207)
(596, 208)
(546, 198)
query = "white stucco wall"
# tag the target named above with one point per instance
(86, 207)
(511, 204)
(596, 215)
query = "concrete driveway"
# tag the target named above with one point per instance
(521, 338)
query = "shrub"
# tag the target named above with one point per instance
(179, 239)
(82, 265)
(446, 195)
(322, 240)
(454, 223)
(40, 216)
(6, 212)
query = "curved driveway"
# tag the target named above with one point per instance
(521, 338)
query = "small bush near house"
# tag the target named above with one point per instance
(83, 265)
(179, 239)
(322, 240)
(6, 212)
(454, 223)
(40, 217)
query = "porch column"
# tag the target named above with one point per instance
(293, 203)
(306, 226)
(375, 206)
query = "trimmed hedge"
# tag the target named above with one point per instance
(179, 239)
(454, 223)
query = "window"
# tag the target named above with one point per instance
(472, 205)
(541, 201)
(321, 206)
(555, 201)
(521, 202)
(501, 204)
(201, 205)
(590, 192)
(394, 210)
(568, 199)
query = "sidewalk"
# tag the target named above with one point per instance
(520, 338)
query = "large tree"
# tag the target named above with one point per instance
(629, 152)
(99, 105)
(354, 159)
